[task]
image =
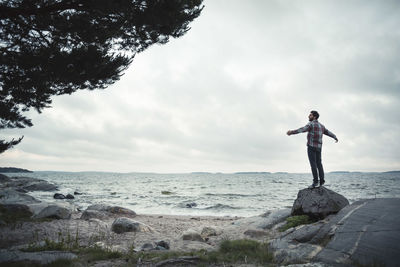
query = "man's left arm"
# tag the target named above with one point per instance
(330, 134)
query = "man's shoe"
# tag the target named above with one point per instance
(321, 183)
(314, 185)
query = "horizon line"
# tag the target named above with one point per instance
(202, 172)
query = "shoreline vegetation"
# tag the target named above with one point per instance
(37, 233)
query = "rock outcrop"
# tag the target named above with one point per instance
(25, 206)
(318, 203)
(40, 186)
(264, 221)
(54, 212)
(4, 178)
(11, 196)
(93, 214)
(112, 209)
(26, 183)
(101, 211)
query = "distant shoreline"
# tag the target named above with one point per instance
(20, 170)
(13, 170)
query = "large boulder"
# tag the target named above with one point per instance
(112, 210)
(318, 202)
(54, 212)
(123, 224)
(93, 214)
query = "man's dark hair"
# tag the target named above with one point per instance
(315, 114)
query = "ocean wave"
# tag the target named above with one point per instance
(187, 204)
(222, 207)
(230, 195)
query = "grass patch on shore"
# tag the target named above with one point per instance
(294, 221)
(230, 251)
(98, 253)
(52, 245)
(242, 251)
(85, 256)
(57, 263)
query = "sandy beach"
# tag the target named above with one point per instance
(169, 228)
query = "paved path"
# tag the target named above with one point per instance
(368, 235)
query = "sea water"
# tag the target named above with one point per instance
(215, 194)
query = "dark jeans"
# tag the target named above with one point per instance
(314, 156)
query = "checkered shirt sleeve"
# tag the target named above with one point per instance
(302, 129)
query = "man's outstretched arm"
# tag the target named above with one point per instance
(300, 130)
(330, 134)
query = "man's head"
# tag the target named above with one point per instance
(314, 115)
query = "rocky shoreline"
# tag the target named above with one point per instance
(26, 222)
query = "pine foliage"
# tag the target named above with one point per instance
(56, 47)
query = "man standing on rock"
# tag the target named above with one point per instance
(314, 145)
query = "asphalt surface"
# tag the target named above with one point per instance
(368, 235)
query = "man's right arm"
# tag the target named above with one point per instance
(300, 130)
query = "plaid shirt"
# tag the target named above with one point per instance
(315, 131)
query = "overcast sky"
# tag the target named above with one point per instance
(222, 97)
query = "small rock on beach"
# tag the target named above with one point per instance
(192, 236)
(123, 224)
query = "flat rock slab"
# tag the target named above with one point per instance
(264, 221)
(43, 257)
(369, 235)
